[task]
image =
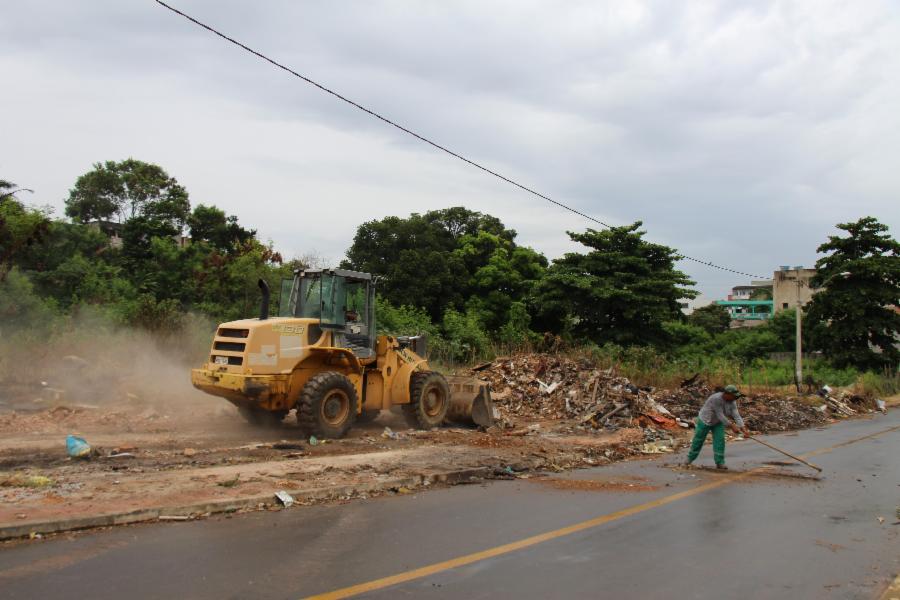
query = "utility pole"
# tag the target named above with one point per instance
(798, 350)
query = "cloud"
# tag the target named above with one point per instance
(739, 133)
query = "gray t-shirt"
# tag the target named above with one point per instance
(716, 410)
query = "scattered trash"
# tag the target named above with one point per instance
(388, 434)
(548, 389)
(174, 517)
(655, 448)
(121, 455)
(879, 403)
(189, 452)
(881, 520)
(313, 441)
(286, 499)
(77, 447)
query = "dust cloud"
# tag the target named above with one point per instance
(89, 362)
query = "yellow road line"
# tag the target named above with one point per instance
(460, 561)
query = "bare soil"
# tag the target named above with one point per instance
(185, 454)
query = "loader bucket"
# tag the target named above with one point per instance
(470, 401)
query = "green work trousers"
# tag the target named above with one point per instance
(700, 433)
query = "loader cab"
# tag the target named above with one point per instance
(343, 301)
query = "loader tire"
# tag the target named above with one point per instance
(429, 399)
(263, 418)
(327, 405)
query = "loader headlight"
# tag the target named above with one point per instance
(221, 360)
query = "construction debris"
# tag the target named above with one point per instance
(540, 386)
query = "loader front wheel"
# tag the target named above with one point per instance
(429, 399)
(327, 405)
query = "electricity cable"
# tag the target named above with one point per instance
(421, 137)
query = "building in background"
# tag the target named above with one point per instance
(790, 285)
(749, 305)
(757, 290)
(689, 306)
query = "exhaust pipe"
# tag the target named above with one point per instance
(264, 308)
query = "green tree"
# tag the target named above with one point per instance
(210, 224)
(414, 259)
(713, 318)
(855, 316)
(784, 325)
(128, 189)
(20, 228)
(686, 337)
(451, 258)
(621, 291)
(500, 275)
(9, 190)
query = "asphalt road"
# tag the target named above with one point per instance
(642, 530)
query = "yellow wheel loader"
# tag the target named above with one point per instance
(321, 356)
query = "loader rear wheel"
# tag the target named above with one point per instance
(327, 405)
(429, 399)
(262, 418)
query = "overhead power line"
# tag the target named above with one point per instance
(421, 137)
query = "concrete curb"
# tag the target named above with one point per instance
(26, 528)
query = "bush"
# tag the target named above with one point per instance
(515, 333)
(465, 337)
(22, 309)
(402, 320)
(687, 338)
(873, 384)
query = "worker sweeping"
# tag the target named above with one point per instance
(719, 410)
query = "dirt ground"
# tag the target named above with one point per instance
(161, 456)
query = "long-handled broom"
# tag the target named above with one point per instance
(788, 454)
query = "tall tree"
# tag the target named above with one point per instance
(621, 291)
(210, 224)
(20, 227)
(443, 259)
(855, 315)
(9, 190)
(126, 190)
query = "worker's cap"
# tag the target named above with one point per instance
(732, 389)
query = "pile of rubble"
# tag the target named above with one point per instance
(540, 386)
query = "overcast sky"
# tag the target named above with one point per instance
(738, 132)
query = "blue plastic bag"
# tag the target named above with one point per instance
(77, 447)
